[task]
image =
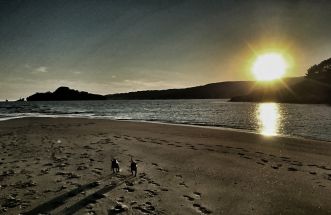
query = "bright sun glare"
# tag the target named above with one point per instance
(269, 67)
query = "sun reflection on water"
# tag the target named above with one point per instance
(268, 116)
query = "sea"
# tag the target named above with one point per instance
(312, 121)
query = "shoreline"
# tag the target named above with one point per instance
(307, 138)
(230, 129)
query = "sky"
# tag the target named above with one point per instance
(115, 46)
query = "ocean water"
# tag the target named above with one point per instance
(300, 120)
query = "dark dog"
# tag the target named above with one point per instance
(133, 167)
(115, 166)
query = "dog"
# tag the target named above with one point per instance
(133, 167)
(115, 165)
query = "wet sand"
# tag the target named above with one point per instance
(62, 166)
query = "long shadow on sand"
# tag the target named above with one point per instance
(60, 200)
(92, 198)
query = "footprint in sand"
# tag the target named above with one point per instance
(260, 163)
(128, 183)
(179, 176)
(325, 168)
(276, 166)
(264, 160)
(145, 208)
(164, 189)
(246, 157)
(284, 158)
(163, 141)
(193, 148)
(292, 169)
(151, 193)
(162, 170)
(159, 168)
(154, 142)
(141, 140)
(189, 198)
(121, 199)
(259, 153)
(156, 184)
(129, 189)
(297, 163)
(96, 171)
(197, 194)
(197, 206)
(183, 184)
(201, 209)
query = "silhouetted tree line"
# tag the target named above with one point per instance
(321, 72)
(65, 94)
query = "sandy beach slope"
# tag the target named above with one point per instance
(62, 166)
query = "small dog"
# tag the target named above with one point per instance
(115, 165)
(133, 167)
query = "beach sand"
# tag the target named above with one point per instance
(62, 166)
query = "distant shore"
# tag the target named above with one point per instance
(62, 165)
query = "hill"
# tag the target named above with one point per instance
(315, 87)
(220, 90)
(64, 94)
(309, 89)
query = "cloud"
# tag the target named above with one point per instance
(27, 66)
(41, 69)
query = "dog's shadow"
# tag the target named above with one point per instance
(92, 198)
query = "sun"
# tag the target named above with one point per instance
(269, 66)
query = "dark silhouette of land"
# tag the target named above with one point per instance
(315, 87)
(291, 90)
(221, 90)
(64, 94)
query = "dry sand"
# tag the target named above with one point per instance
(62, 166)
